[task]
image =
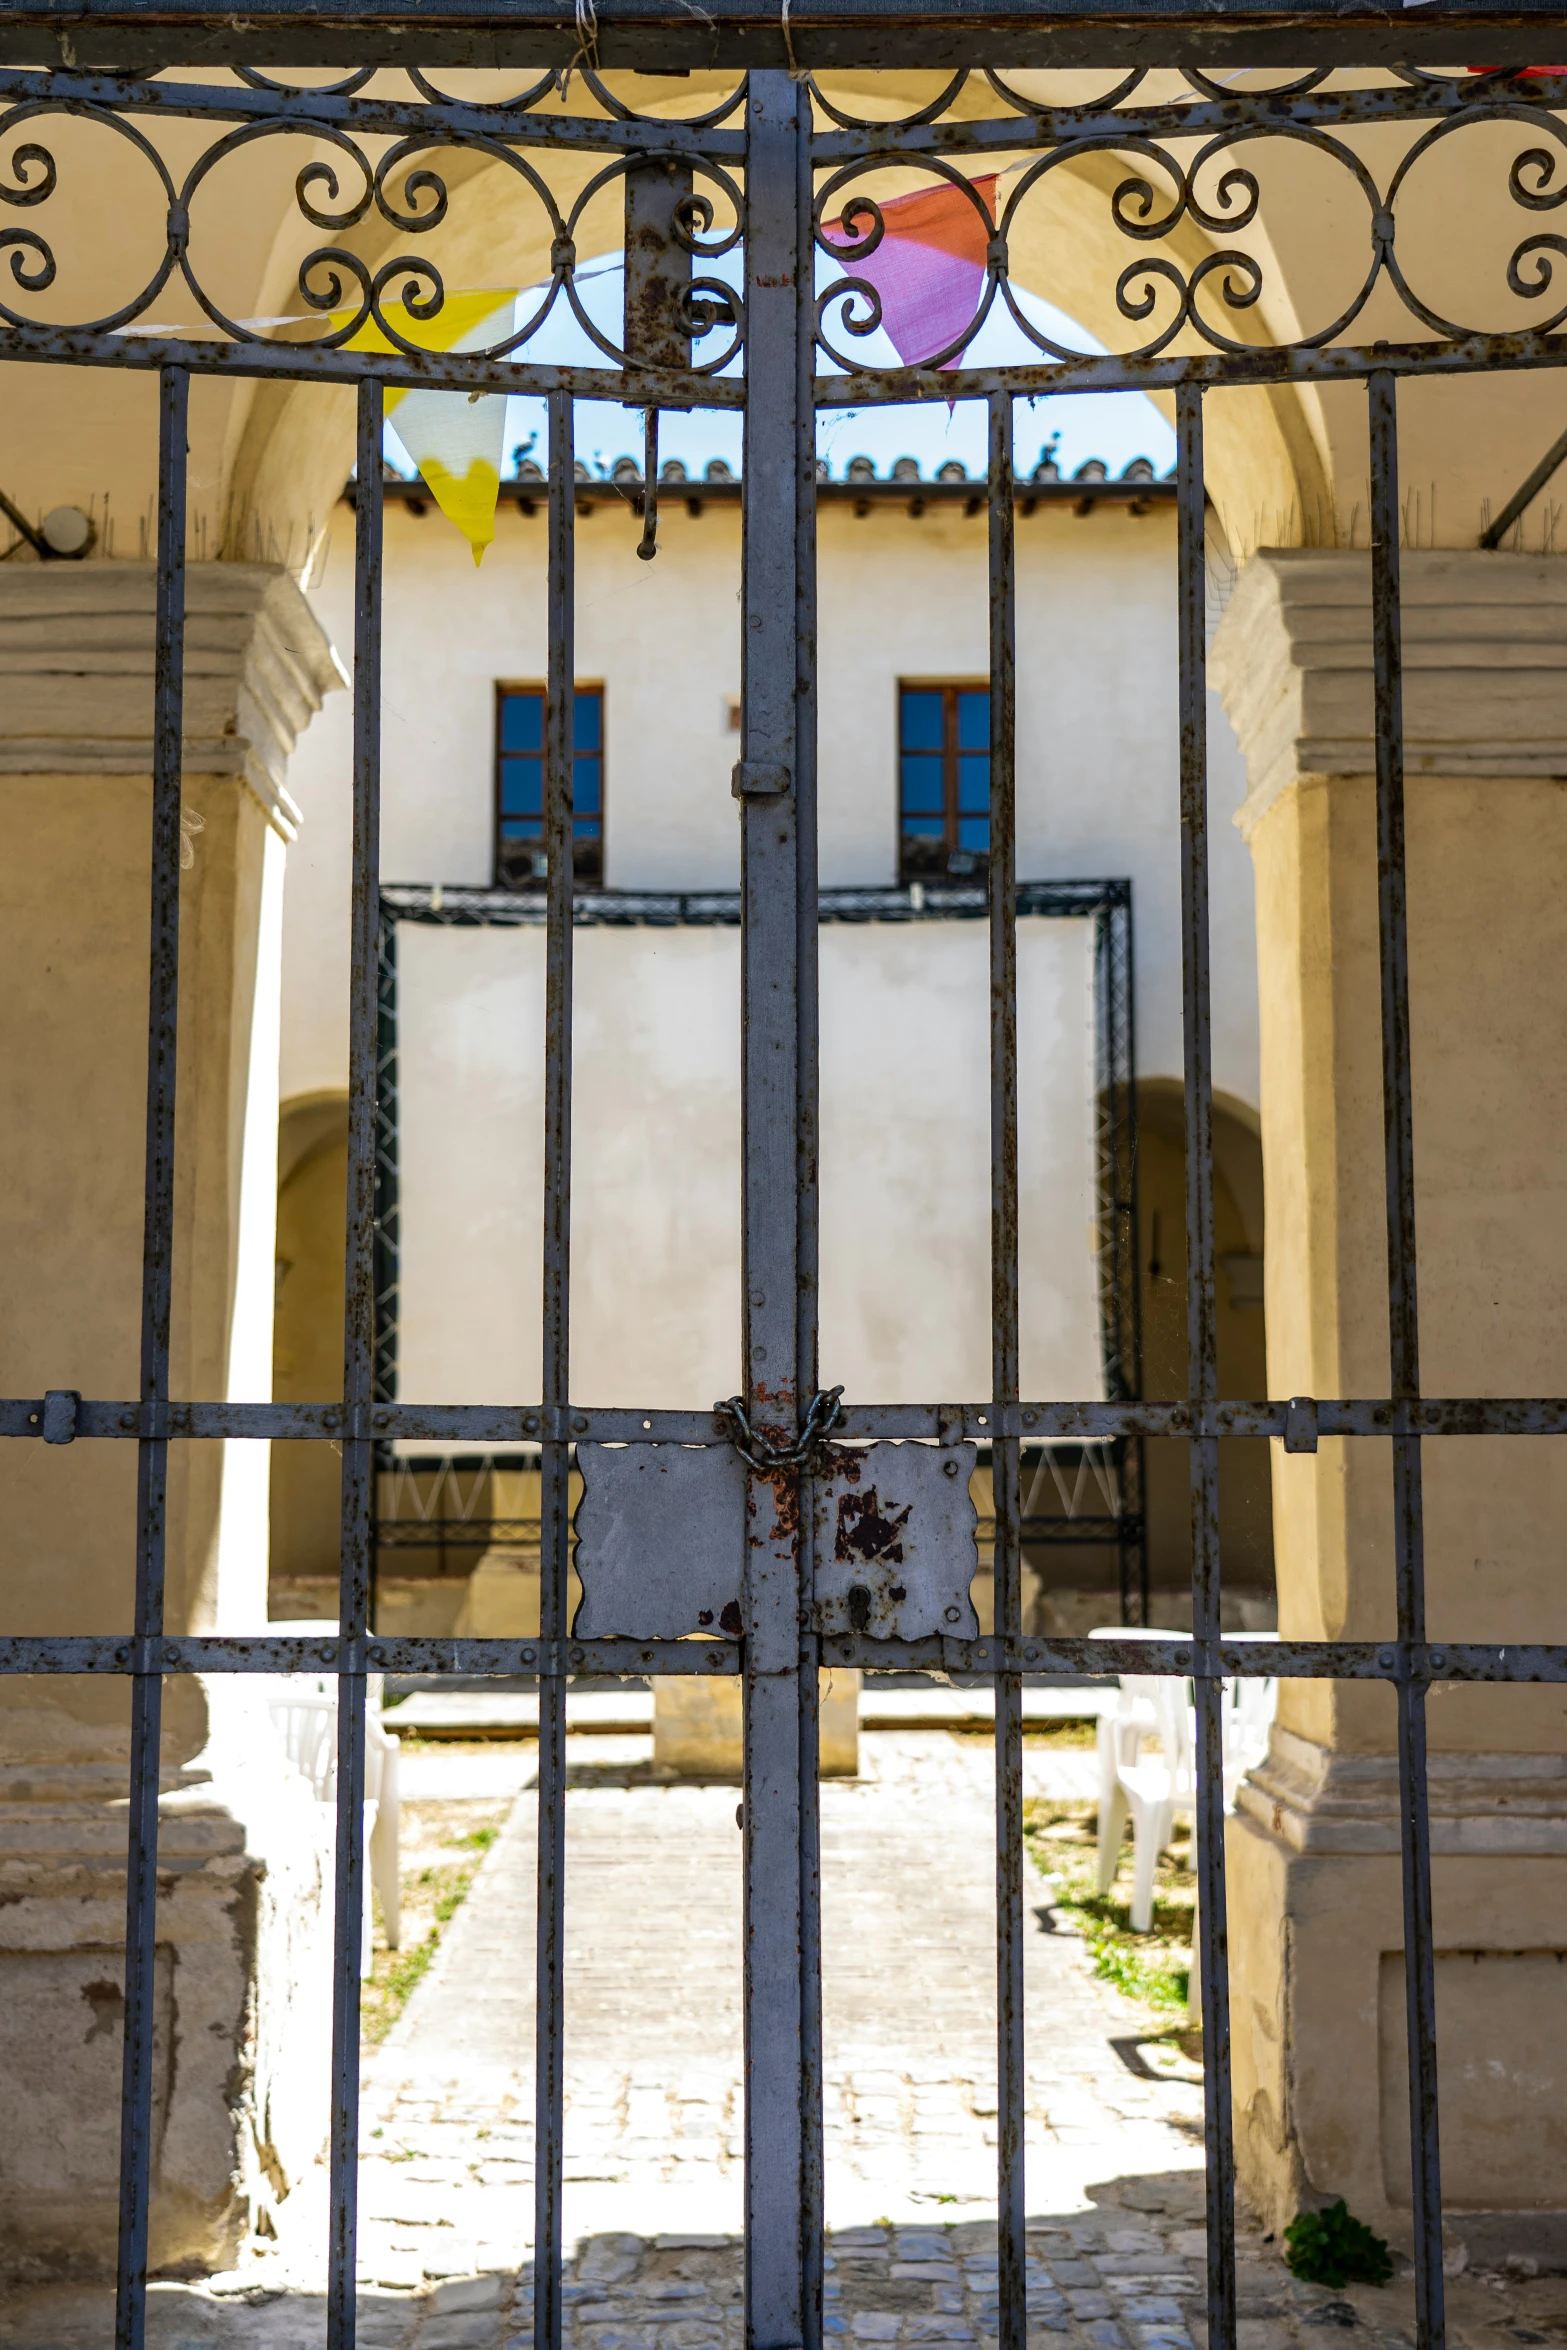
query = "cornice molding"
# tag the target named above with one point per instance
(1484, 659)
(76, 673)
(1322, 1799)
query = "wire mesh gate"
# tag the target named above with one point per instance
(792, 155)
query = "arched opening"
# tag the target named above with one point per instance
(294, 446)
(307, 1350)
(1245, 1483)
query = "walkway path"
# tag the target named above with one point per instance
(653, 2023)
(652, 2110)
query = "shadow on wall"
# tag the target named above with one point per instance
(1245, 1483)
(307, 1342)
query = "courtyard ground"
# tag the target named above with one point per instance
(653, 2175)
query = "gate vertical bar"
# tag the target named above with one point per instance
(387, 1217)
(355, 1561)
(1120, 1293)
(388, 1200)
(807, 1127)
(767, 782)
(1007, 1584)
(1202, 1364)
(1404, 1350)
(554, 1501)
(152, 1452)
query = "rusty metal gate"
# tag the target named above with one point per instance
(770, 157)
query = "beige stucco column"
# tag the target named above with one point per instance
(1316, 1931)
(242, 2016)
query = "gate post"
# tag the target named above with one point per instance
(765, 784)
(1316, 1841)
(230, 2116)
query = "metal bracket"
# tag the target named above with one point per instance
(1300, 1424)
(59, 1415)
(658, 263)
(759, 779)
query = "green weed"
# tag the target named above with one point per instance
(432, 1896)
(1334, 2248)
(1155, 1967)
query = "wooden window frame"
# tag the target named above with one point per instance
(949, 688)
(586, 878)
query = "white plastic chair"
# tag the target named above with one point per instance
(1162, 1789)
(1156, 1791)
(1121, 1731)
(1250, 1704)
(304, 1713)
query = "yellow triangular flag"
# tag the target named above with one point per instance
(455, 441)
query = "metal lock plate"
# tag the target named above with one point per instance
(660, 1540)
(896, 1544)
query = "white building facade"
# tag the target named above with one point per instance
(903, 622)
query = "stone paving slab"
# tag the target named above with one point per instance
(653, 2021)
(1126, 2274)
(506, 1713)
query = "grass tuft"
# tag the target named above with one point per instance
(1153, 1968)
(433, 1891)
(1067, 1731)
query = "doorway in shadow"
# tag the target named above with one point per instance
(1245, 1482)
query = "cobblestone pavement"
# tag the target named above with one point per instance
(1124, 2275)
(652, 2112)
(653, 2024)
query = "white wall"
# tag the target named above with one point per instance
(1097, 784)
(656, 1163)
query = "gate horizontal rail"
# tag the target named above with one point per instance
(1298, 1423)
(520, 34)
(636, 387)
(1232, 1657)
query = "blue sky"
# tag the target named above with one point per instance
(1115, 426)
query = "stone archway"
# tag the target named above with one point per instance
(1266, 474)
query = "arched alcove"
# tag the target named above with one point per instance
(1245, 1488)
(307, 1346)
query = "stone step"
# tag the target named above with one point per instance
(508, 1713)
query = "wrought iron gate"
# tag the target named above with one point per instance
(776, 153)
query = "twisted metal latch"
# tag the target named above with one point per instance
(647, 545)
(823, 1413)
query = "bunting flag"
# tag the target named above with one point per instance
(929, 268)
(456, 442)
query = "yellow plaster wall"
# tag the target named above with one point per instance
(1488, 944)
(74, 894)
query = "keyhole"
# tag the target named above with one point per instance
(859, 1607)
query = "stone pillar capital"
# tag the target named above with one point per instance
(76, 673)
(1485, 667)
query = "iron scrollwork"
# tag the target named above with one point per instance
(1197, 174)
(1195, 180)
(384, 163)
